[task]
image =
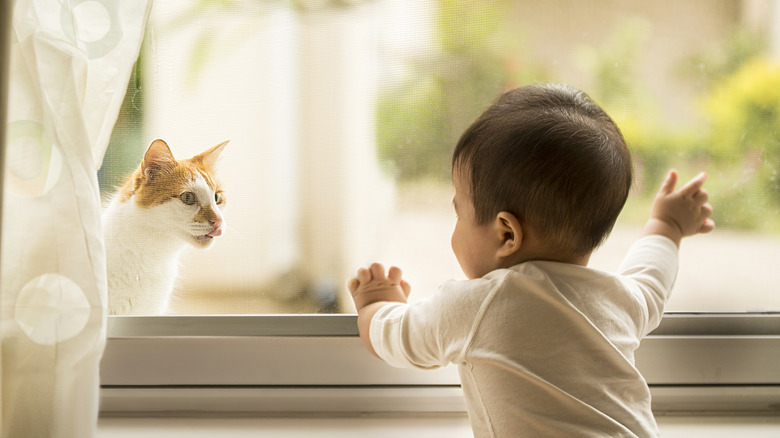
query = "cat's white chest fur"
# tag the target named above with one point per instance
(141, 259)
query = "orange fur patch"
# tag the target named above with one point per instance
(154, 187)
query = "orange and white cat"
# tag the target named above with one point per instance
(163, 206)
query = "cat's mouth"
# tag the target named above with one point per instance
(206, 239)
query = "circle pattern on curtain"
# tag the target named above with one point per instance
(51, 309)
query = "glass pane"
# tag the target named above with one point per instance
(342, 116)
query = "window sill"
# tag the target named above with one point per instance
(316, 363)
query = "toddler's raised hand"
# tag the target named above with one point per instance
(371, 290)
(372, 285)
(681, 213)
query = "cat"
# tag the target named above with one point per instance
(163, 206)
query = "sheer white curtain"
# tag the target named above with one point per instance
(69, 68)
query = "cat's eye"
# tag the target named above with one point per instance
(218, 198)
(188, 198)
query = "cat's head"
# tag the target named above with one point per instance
(184, 194)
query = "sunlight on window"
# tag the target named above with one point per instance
(342, 116)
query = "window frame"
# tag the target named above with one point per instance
(276, 364)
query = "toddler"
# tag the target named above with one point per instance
(544, 345)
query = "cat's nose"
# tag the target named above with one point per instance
(215, 230)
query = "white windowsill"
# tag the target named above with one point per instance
(316, 363)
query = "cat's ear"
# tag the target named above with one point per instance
(157, 157)
(211, 156)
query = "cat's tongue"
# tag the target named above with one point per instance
(215, 233)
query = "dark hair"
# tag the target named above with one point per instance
(552, 157)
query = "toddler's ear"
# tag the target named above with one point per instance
(510, 233)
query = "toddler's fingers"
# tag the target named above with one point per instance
(353, 284)
(406, 287)
(363, 275)
(667, 187)
(706, 211)
(701, 196)
(707, 226)
(394, 274)
(377, 271)
(693, 186)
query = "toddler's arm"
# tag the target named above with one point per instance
(371, 290)
(682, 213)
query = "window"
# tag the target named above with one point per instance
(342, 116)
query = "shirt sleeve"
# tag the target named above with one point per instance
(431, 332)
(651, 265)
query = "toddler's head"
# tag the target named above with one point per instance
(554, 159)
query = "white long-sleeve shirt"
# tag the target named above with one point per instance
(544, 349)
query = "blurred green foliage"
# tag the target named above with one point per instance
(733, 132)
(477, 56)
(125, 148)
(743, 115)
